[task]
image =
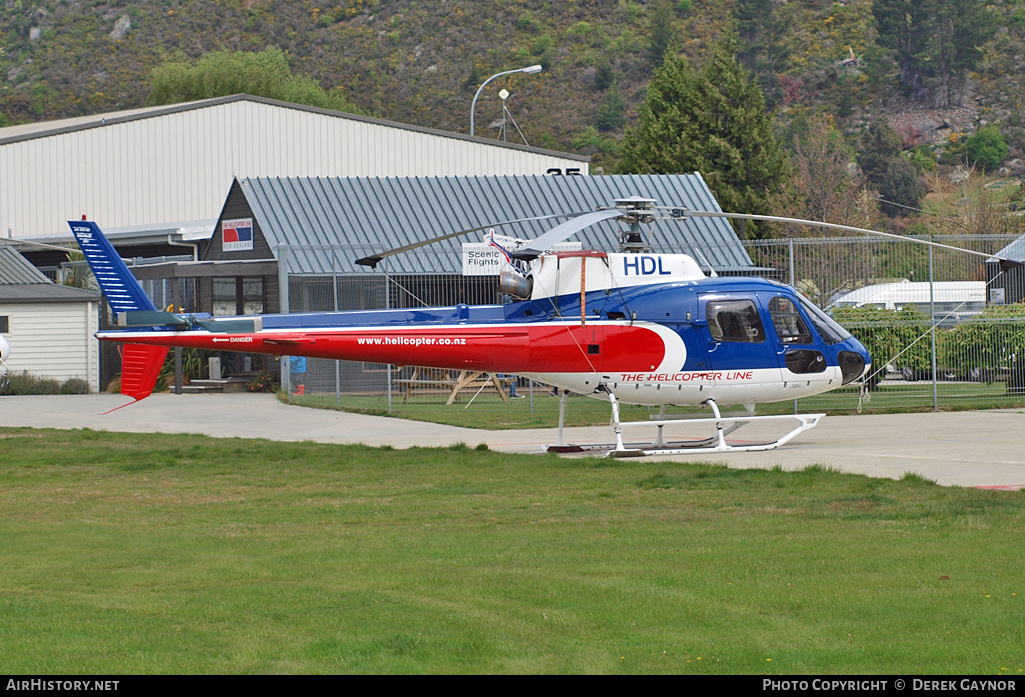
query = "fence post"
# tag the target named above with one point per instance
(387, 306)
(286, 377)
(793, 281)
(793, 284)
(932, 330)
(334, 291)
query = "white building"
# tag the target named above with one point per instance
(50, 327)
(148, 168)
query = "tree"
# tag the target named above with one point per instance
(879, 145)
(713, 121)
(218, 74)
(763, 37)
(612, 112)
(902, 28)
(661, 33)
(823, 185)
(936, 43)
(901, 187)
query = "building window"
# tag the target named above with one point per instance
(5, 324)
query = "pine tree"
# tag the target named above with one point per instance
(935, 42)
(666, 137)
(661, 34)
(763, 38)
(714, 122)
(880, 144)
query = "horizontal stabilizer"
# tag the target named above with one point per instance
(150, 318)
(160, 318)
(249, 325)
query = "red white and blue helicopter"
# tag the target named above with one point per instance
(629, 327)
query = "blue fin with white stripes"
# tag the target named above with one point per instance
(140, 364)
(119, 285)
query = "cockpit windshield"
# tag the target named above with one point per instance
(828, 329)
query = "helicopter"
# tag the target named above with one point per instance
(630, 327)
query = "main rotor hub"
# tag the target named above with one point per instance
(636, 209)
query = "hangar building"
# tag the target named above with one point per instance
(158, 166)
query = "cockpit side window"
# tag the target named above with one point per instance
(789, 325)
(734, 320)
(828, 329)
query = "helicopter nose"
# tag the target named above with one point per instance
(852, 365)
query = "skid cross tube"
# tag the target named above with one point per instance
(724, 425)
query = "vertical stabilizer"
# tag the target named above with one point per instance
(140, 364)
(116, 281)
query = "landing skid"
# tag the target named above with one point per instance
(724, 424)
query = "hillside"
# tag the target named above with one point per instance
(421, 62)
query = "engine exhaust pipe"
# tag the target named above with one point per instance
(514, 284)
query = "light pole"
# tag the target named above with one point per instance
(528, 69)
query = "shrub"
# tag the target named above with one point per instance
(24, 383)
(986, 148)
(265, 381)
(75, 386)
(886, 334)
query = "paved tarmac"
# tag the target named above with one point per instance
(974, 448)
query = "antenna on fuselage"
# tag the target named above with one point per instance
(711, 271)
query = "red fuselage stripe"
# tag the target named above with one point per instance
(560, 348)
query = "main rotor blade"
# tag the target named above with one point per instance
(374, 259)
(1004, 263)
(563, 231)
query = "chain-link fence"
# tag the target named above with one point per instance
(944, 327)
(940, 324)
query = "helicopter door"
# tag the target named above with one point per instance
(801, 353)
(743, 359)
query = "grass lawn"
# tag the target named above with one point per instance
(129, 553)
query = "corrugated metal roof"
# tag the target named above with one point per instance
(20, 281)
(1014, 251)
(376, 214)
(45, 292)
(17, 270)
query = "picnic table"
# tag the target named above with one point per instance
(436, 379)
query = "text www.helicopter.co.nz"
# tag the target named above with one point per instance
(410, 341)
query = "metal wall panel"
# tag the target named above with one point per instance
(177, 164)
(54, 341)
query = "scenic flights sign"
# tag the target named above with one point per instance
(486, 258)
